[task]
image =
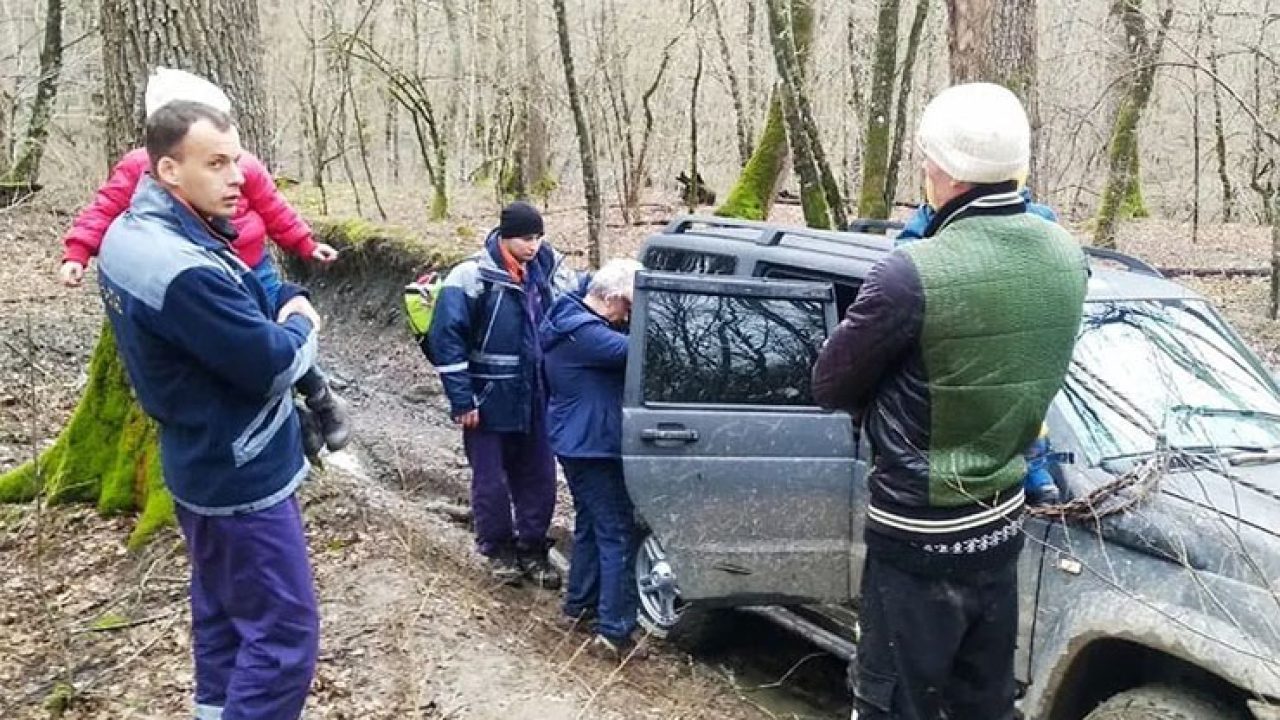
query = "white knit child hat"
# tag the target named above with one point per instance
(166, 86)
(977, 133)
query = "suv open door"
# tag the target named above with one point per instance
(746, 485)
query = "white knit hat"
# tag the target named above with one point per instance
(166, 86)
(977, 133)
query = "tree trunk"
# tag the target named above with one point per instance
(904, 95)
(1274, 310)
(752, 196)
(108, 452)
(742, 122)
(995, 41)
(873, 201)
(789, 32)
(27, 168)
(218, 39)
(591, 186)
(790, 82)
(1122, 194)
(1219, 132)
(635, 174)
(536, 163)
(695, 187)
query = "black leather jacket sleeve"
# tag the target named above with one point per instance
(883, 322)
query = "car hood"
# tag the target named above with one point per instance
(1226, 523)
(1250, 495)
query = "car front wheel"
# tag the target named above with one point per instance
(662, 612)
(1162, 702)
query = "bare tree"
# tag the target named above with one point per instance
(1122, 177)
(321, 110)
(904, 95)
(536, 163)
(409, 89)
(752, 196)
(1219, 127)
(591, 186)
(819, 194)
(695, 177)
(874, 200)
(26, 170)
(742, 121)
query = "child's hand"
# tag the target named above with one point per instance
(71, 273)
(324, 253)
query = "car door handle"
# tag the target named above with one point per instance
(669, 435)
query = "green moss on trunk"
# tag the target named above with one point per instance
(439, 203)
(873, 198)
(752, 196)
(107, 454)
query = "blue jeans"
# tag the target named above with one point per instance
(267, 274)
(602, 573)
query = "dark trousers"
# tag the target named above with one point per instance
(602, 574)
(936, 647)
(511, 473)
(254, 621)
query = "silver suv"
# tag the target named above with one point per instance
(1153, 592)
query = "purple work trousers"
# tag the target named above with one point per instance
(512, 474)
(254, 622)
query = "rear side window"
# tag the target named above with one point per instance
(689, 261)
(717, 349)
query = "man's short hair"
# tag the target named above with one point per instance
(168, 126)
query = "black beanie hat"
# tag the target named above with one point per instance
(520, 219)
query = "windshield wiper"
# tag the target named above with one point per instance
(1202, 411)
(1192, 457)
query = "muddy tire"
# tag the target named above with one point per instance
(1162, 702)
(662, 613)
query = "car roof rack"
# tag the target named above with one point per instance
(1130, 263)
(767, 233)
(871, 225)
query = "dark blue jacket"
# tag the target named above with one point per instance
(915, 226)
(206, 358)
(483, 336)
(586, 361)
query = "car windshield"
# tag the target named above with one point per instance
(1145, 365)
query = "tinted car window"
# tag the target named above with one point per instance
(689, 261)
(717, 349)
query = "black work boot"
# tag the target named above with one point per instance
(331, 414)
(537, 567)
(504, 568)
(312, 439)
